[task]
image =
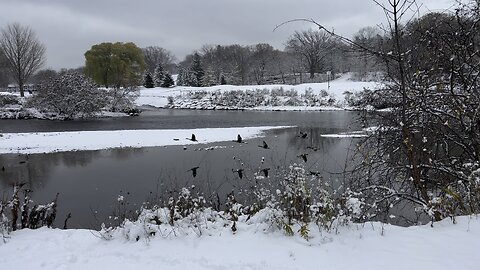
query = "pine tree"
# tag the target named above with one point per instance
(167, 80)
(186, 77)
(197, 70)
(148, 80)
(222, 80)
(158, 75)
(190, 79)
(181, 76)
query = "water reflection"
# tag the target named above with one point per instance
(90, 181)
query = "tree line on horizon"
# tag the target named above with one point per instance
(306, 54)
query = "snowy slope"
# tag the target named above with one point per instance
(157, 97)
(364, 246)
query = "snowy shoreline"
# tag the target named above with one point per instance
(302, 97)
(371, 245)
(49, 142)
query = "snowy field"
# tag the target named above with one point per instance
(367, 246)
(48, 142)
(158, 97)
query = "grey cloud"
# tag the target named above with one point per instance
(69, 28)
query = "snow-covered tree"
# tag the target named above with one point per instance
(167, 80)
(186, 77)
(197, 70)
(148, 80)
(223, 81)
(158, 75)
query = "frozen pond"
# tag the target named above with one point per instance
(89, 182)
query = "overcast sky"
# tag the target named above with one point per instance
(68, 28)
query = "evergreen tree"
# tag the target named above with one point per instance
(190, 79)
(167, 80)
(222, 80)
(197, 70)
(148, 80)
(158, 75)
(181, 76)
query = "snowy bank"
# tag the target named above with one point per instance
(185, 97)
(47, 142)
(359, 246)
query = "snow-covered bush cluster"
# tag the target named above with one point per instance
(121, 99)
(252, 98)
(377, 99)
(297, 204)
(70, 95)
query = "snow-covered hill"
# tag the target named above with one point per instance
(158, 97)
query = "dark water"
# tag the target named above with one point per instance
(89, 182)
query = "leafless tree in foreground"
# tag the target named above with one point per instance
(426, 150)
(23, 51)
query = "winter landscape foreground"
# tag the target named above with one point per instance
(370, 245)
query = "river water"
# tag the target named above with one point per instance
(90, 182)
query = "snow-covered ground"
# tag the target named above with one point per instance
(47, 142)
(158, 97)
(360, 246)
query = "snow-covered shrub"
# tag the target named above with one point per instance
(233, 210)
(458, 197)
(197, 94)
(293, 101)
(185, 205)
(379, 99)
(291, 93)
(70, 95)
(323, 93)
(121, 99)
(278, 91)
(348, 97)
(309, 97)
(274, 100)
(15, 212)
(9, 100)
(295, 194)
(170, 100)
(42, 215)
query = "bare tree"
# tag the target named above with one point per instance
(4, 78)
(23, 51)
(155, 55)
(312, 46)
(264, 59)
(365, 62)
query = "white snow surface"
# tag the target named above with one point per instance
(48, 142)
(360, 246)
(157, 97)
